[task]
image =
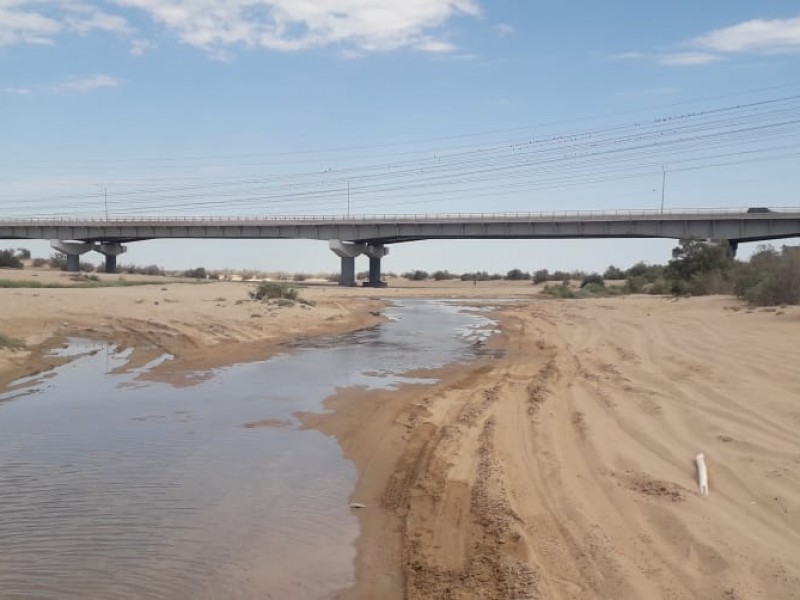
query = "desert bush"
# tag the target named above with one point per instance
(558, 291)
(517, 275)
(541, 276)
(39, 262)
(10, 260)
(299, 277)
(6, 341)
(613, 273)
(270, 290)
(58, 261)
(770, 278)
(196, 273)
(593, 279)
(561, 276)
(443, 275)
(416, 275)
(659, 287)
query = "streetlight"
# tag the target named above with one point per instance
(663, 186)
(105, 197)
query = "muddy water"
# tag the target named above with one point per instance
(113, 489)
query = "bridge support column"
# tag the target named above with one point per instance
(347, 276)
(73, 250)
(347, 251)
(111, 251)
(733, 245)
(375, 254)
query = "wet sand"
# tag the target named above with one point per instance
(562, 470)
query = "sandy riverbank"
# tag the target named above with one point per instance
(565, 470)
(203, 325)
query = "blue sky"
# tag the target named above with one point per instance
(181, 107)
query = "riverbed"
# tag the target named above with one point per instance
(115, 487)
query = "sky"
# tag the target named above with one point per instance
(137, 108)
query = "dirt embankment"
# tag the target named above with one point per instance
(565, 469)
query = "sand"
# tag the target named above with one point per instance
(203, 325)
(564, 469)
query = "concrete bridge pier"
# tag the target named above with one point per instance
(73, 251)
(375, 254)
(111, 251)
(347, 251)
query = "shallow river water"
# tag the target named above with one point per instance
(111, 488)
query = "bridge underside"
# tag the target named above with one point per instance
(370, 235)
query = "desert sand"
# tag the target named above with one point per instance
(203, 325)
(566, 469)
(562, 469)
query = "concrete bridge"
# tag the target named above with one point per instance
(352, 236)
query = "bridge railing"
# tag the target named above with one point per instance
(582, 215)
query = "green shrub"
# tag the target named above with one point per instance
(770, 279)
(271, 290)
(6, 341)
(613, 273)
(558, 291)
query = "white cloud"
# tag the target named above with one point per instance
(18, 91)
(220, 26)
(758, 35)
(139, 47)
(503, 29)
(42, 21)
(290, 25)
(89, 83)
(687, 59)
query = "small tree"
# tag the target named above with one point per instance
(442, 275)
(9, 260)
(612, 273)
(700, 268)
(517, 275)
(197, 273)
(541, 276)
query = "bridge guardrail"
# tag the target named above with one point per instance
(583, 215)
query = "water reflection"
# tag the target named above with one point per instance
(115, 490)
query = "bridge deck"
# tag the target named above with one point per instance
(733, 224)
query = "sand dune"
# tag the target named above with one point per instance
(566, 470)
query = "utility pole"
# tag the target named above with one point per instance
(348, 199)
(105, 200)
(663, 186)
